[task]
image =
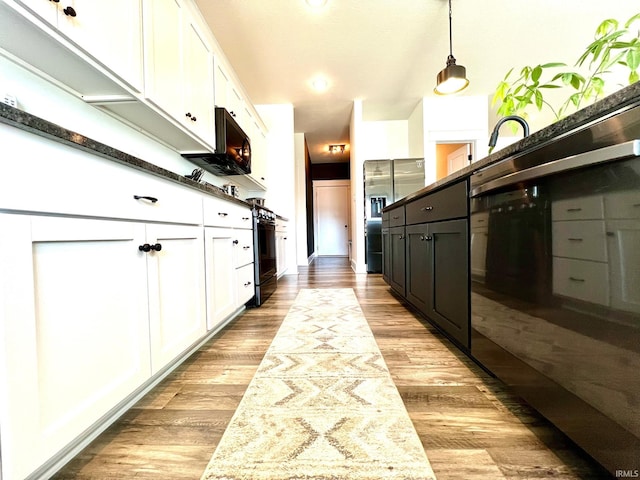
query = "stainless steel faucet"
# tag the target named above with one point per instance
(494, 135)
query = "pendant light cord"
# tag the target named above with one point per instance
(450, 34)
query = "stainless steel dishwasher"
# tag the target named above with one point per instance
(555, 285)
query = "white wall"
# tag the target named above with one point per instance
(454, 119)
(300, 199)
(357, 137)
(384, 139)
(281, 170)
(416, 132)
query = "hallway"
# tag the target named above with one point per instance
(470, 427)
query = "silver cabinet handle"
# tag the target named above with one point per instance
(426, 209)
(594, 157)
(575, 279)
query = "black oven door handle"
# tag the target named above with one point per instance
(601, 155)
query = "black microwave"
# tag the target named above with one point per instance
(233, 148)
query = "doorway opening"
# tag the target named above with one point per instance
(451, 156)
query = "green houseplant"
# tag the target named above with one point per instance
(613, 45)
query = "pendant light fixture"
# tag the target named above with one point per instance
(453, 78)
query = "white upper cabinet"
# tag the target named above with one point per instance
(222, 85)
(163, 55)
(178, 67)
(227, 94)
(111, 32)
(198, 83)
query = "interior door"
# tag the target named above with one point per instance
(332, 218)
(458, 159)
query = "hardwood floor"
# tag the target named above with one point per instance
(470, 426)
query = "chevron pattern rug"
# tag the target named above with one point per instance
(322, 404)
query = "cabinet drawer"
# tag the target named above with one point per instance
(281, 226)
(622, 204)
(445, 204)
(44, 176)
(386, 219)
(246, 289)
(581, 279)
(582, 208)
(243, 249)
(581, 239)
(221, 213)
(396, 217)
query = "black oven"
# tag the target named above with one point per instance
(555, 292)
(264, 243)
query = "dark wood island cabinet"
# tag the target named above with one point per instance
(425, 260)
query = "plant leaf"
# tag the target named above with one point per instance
(575, 99)
(633, 77)
(631, 20)
(536, 73)
(553, 65)
(606, 26)
(539, 99)
(633, 58)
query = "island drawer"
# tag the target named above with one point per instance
(396, 217)
(445, 204)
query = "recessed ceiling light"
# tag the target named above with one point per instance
(316, 3)
(320, 83)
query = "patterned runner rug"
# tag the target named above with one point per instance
(322, 404)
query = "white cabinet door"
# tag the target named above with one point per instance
(220, 268)
(221, 85)
(74, 330)
(178, 67)
(176, 290)
(109, 31)
(163, 47)
(198, 90)
(236, 104)
(623, 238)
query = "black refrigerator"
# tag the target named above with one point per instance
(385, 182)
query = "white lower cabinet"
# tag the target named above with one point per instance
(245, 286)
(177, 314)
(74, 330)
(229, 258)
(86, 318)
(281, 247)
(221, 298)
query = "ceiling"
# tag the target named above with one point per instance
(388, 52)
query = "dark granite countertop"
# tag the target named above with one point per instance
(602, 108)
(38, 126)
